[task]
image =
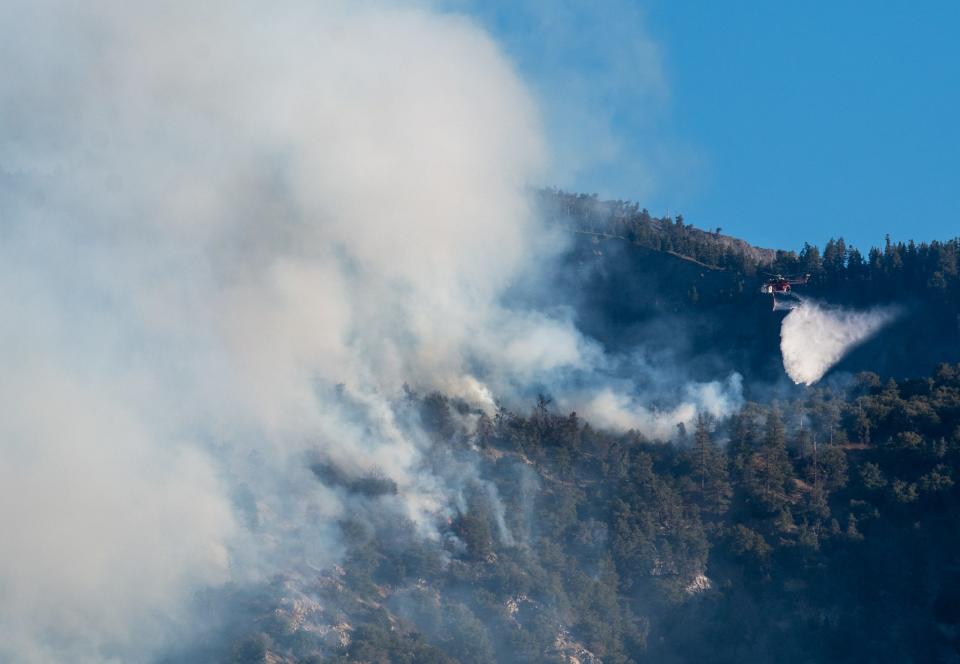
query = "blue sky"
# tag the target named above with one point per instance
(779, 122)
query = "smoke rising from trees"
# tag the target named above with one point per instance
(232, 234)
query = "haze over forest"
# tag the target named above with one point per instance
(305, 360)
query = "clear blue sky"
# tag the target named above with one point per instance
(779, 122)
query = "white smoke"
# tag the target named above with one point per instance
(813, 337)
(213, 213)
(231, 233)
(622, 409)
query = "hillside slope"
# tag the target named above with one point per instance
(813, 531)
(635, 280)
(813, 524)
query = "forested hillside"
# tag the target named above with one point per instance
(896, 269)
(634, 278)
(814, 524)
(816, 529)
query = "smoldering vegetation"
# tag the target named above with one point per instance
(491, 585)
(368, 485)
(568, 543)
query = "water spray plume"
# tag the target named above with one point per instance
(813, 337)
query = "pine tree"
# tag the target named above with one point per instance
(769, 468)
(710, 470)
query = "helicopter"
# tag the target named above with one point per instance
(777, 283)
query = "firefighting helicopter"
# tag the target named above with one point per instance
(779, 284)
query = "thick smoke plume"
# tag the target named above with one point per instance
(232, 232)
(814, 337)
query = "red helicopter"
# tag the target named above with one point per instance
(777, 283)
